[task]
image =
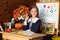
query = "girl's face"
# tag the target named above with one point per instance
(33, 12)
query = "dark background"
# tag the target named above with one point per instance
(7, 7)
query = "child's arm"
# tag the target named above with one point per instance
(1, 28)
(12, 21)
(25, 25)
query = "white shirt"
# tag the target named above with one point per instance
(31, 20)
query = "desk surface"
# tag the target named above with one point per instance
(13, 36)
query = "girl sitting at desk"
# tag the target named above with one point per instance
(33, 23)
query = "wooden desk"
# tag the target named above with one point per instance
(12, 36)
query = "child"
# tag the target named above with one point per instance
(33, 23)
(17, 18)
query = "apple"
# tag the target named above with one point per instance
(8, 30)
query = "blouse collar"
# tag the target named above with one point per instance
(33, 20)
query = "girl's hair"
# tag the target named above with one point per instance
(34, 6)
